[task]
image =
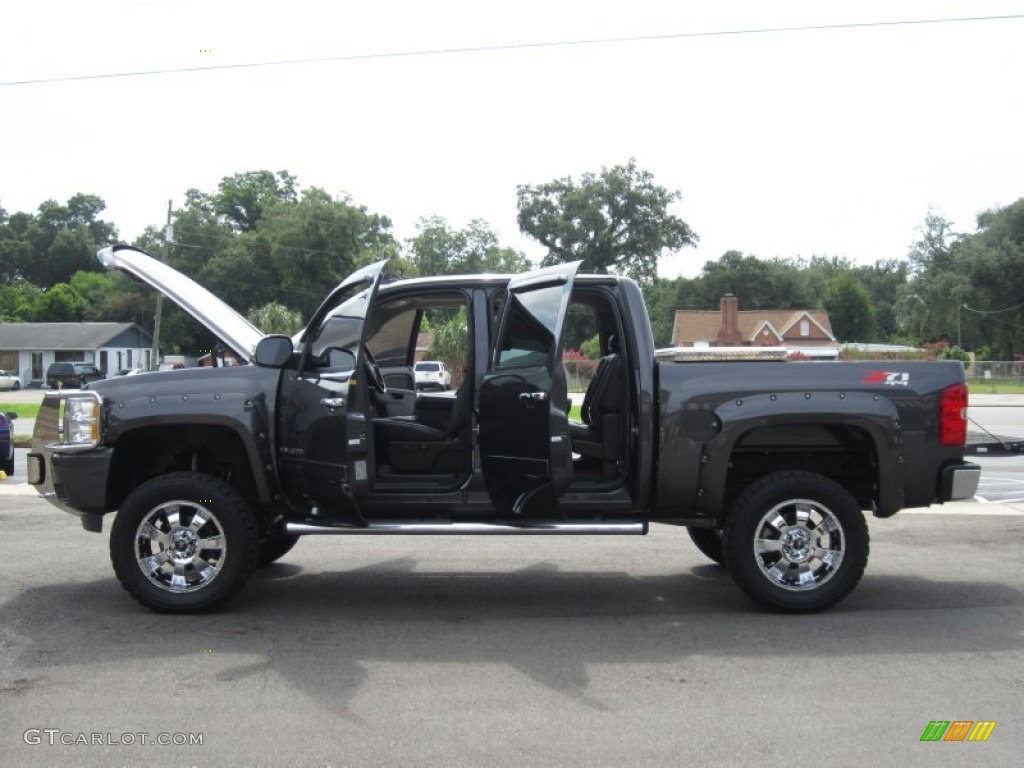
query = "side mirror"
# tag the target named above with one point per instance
(273, 351)
(340, 359)
(11, 416)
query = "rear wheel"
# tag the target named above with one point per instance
(275, 547)
(183, 543)
(796, 542)
(708, 541)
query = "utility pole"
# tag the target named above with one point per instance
(154, 362)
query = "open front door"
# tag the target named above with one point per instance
(524, 424)
(322, 420)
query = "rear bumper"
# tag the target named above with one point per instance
(959, 482)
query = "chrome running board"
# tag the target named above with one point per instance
(468, 529)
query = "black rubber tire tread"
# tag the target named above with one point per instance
(239, 528)
(739, 532)
(275, 547)
(709, 542)
(8, 467)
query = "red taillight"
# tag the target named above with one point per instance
(953, 415)
(2, 421)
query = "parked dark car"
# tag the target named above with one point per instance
(7, 442)
(72, 375)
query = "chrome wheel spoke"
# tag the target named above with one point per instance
(172, 554)
(198, 521)
(769, 546)
(808, 549)
(805, 576)
(154, 562)
(214, 542)
(178, 581)
(204, 570)
(155, 535)
(830, 557)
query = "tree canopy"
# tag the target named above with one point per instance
(615, 221)
(272, 250)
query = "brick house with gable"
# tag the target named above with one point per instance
(808, 331)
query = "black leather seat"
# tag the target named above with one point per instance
(599, 435)
(431, 440)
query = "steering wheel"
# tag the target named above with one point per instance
(373, 374)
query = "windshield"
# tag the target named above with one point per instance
(427, 367)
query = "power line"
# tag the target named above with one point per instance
(993, 311)
(519, 47)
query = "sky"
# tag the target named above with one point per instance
(832, 142)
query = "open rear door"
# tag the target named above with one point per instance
(524, 424)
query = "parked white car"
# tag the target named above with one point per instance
(432, 374)
(9, 380)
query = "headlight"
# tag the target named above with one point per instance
(81, 422)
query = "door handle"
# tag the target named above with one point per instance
(332, 402)
(531, 398)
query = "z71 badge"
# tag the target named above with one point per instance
(889, 378)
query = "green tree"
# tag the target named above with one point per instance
(440, 250)
(757, 283)
(617, 221)
(243, 199)
(449, 340)
(60, 304)
(49, 247)
(850, 309)
(275, 318)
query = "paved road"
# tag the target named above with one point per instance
(601, 651)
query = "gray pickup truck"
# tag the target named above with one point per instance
(216, 471)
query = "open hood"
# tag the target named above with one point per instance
(224, 322)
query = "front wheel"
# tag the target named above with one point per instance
(796, 542)
(184, 543)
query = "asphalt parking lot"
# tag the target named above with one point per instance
(469, 651)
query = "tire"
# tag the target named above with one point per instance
(8, 466)
(17, 386)
(274, 547)
(796, 542)
(184, 543)
(709, 542)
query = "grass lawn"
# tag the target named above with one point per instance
(24, 410)
(995, 387)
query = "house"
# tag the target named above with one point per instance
(28, 349)
(807, 331)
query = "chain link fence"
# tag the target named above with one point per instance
(996, 374)
(578, 374)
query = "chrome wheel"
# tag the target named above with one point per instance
(796, 541)
(180, 546)
(799, 544)
(184, 543)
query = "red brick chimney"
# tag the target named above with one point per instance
(729, 334)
